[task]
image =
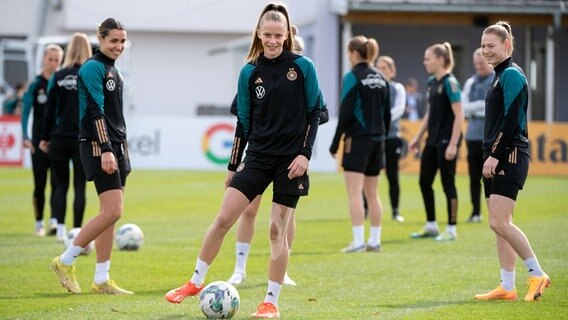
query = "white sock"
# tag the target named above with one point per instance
(273, 292)
(375, 236)
(358, 235)
(452, 229)
(70, 255)
(533, 267)
(102, 272)
(61, 230)
(431, 225)
(201, 268)
(508, 280)
(242, 253)
(39, 224)
(52, 222)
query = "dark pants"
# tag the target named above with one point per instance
(475, 168)
(393, 151)
(40, 167)
(431, 160)
(61, 152)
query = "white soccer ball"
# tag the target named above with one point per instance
(71, 237)
(219, 300)
(129, 237)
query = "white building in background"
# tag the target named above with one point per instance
(185, 55)
(183, 60)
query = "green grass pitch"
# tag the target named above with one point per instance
(410, 279)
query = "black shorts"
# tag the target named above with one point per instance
(61, 149)
(256, 172)
(363, 155)
(510, 177)
(91, 159)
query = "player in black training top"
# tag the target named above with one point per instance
(506, 167)
(61, 133)
(364, 120)
(104, 155)
(245, 226)
(443, 121)
(278, 115)
(35, 98)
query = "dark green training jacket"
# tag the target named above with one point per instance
(100, 102)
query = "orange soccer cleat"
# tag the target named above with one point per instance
(187, 290)
(266, 310)
(497, 294)
(536, 287)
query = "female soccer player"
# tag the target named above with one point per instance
(443, 121)
(61, 132)
(393, 143)
(104, 155)
(364, 119)
(36, 98)
(506, 166)
(278, 115)
(245, 226)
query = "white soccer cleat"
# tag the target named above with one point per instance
(398, 218)
(353, 248)
(40, 231)
(237, 278)
(288, 281)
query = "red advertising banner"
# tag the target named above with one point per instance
(11, 144)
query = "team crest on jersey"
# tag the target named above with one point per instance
(260, 92)
(110, 85)
(292, 75)
(440, 88)
(241, 167)
(41, 97)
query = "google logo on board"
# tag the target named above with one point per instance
(217, 142)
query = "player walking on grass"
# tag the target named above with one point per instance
(278, 115)
(104, 155)
(61, 132)
(364, 120)
(35, 98)
(443, 121)
(506, 167)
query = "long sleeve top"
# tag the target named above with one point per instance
(506, 111)
(365, 105)
(278, 108)
(100, 102)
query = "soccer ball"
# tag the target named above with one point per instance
(129, 237)
(71, 237)
(219, 300)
